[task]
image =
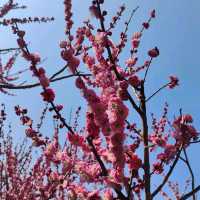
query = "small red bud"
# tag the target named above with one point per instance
(154, 52)
(146, 25)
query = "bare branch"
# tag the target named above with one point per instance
(147, 174)
(157, 91)
(189, 194)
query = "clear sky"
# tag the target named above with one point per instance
(175, 31)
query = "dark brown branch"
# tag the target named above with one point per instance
(147, 174)
(114, 65)
(15, 87)
(189, 194)
(8, 50)
(195, 142)
(59, 72)
(146, 72)
(93, 149)
(187, 162)
(157, 91)
(130, 18)
(103, 168)
(61, 118)
(159, 188)
(130, 185)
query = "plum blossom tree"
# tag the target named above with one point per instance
(110, 156)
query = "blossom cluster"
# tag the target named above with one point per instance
(6, 8)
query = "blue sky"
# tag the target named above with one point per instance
(175, 31)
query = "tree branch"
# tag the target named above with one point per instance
(190, 171)
(93, 149)
(157, 91)
(15, 87)
(114, 65)
(189, 194)
(159, 188)
(147, 175)
(8, 50)
(103, 168)
(146, 72)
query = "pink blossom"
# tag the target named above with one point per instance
(73, 64)
(108, 195)
(154, 52)
(169, 153)
(91, 127)
(123, 84)
(134, 162)
(48, 95)
(173, 82)
(94, 11)
(35, 58)
(117, 139)
(146, 25)
(75, 139)
(79, 83)
(158, 168)
(67, 54)
(44, 81)
(137, 35)
(122, 94)
(134, 81)
(131, 62)
(63, 44)
(135, 43)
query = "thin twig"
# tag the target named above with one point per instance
(8, 49)
(157, 91)
(187, 162)
(59, 72)
(130, 18)
(146, 72)
(61, 118)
